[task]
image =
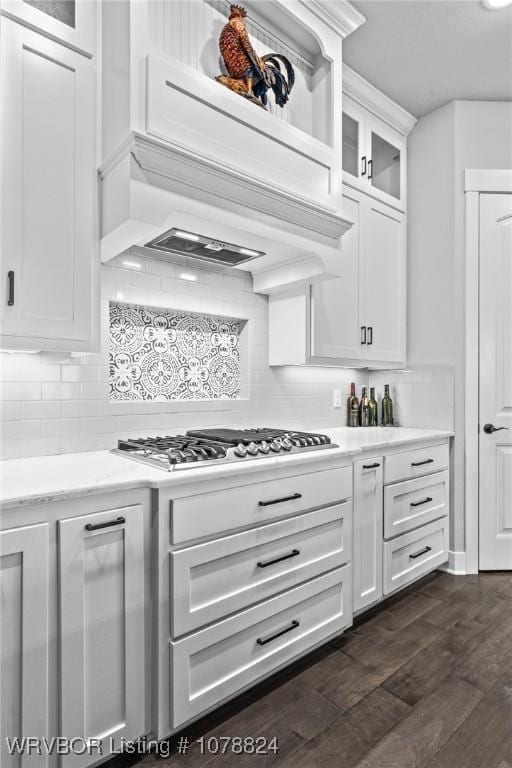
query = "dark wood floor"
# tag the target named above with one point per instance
(424, 681)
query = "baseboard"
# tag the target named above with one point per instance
(456, 564)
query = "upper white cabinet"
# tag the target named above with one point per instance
(359, 318)
(72, 22)
(48, 246)
(23, 640)
(374, 131)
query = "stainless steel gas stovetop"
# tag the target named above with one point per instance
(220, 446)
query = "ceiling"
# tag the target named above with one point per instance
(426, 53)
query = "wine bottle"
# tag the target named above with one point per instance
(387, 408)
(373, 408)
(364, 409)
(352, 407)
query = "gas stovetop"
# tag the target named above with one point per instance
(219, 445)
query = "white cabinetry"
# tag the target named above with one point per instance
(252, 573)
(72, 22)
(101, 590)
(23, 640)
(416, 508)
(359, 318)
(48, 248)
(375, 133)
(367, 564)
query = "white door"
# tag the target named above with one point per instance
(336, 304)
(47, 192)
(495, 440)
(102, 628)
(385, 281)
(368, 532)
(386, 165)
(23, 640)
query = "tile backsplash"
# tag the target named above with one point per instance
(161, 355)
(58, 403)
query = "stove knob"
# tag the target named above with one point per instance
(264, 447)
(286, 443)
(240, 450)
(252, 448)
(275, 446)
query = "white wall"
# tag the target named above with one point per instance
(54, 403)
(443, 144)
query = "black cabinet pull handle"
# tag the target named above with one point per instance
(265, 640)
(370, 169)
(419, 503)
(370, 335)
(265, 564)
(371, 466)
(363, 334)
(10, 277)
(97, 526)
(421, 463)
(421, 552)
(363, 166)
(280, 501)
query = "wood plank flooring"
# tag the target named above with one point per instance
(423, 681)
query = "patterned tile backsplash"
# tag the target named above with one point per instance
(161, 355)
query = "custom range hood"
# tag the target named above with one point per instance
(160, 200)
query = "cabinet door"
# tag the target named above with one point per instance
(23, 640)
(72, 21)
(385, 283)
(336, 304)
(387, 162)
(102, 666)
(47, 240)
(368, 532)
(354, 151)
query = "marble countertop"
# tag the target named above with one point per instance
(52, 478)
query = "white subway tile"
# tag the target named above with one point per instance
(20, 430)
(59, 427)
(10, 411)
(60, 391)
(20, 391)
(92, 391)
(41, 410)
(80, 408)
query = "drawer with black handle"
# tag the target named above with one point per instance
(416, 462)
(217, 578)
(416, 502)
(215, 663)
(413, 554)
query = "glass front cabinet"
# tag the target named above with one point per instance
(374, 155)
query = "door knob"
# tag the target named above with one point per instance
(490, 428)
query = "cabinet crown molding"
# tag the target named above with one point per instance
(369, 97)
(341, 16)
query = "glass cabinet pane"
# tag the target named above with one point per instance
(385, 171)
(350, 157)
(62, 10)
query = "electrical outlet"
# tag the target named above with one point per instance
(336, 398)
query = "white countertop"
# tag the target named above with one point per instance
(50, 478)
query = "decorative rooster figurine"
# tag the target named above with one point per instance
(249, 74)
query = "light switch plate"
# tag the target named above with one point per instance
(336, 398)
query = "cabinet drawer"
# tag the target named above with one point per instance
(414, 554)
(415, 502)
(215, 663)
(223, 576)
(421, 461)
(214, 513)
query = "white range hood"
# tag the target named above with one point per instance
(150, 186)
